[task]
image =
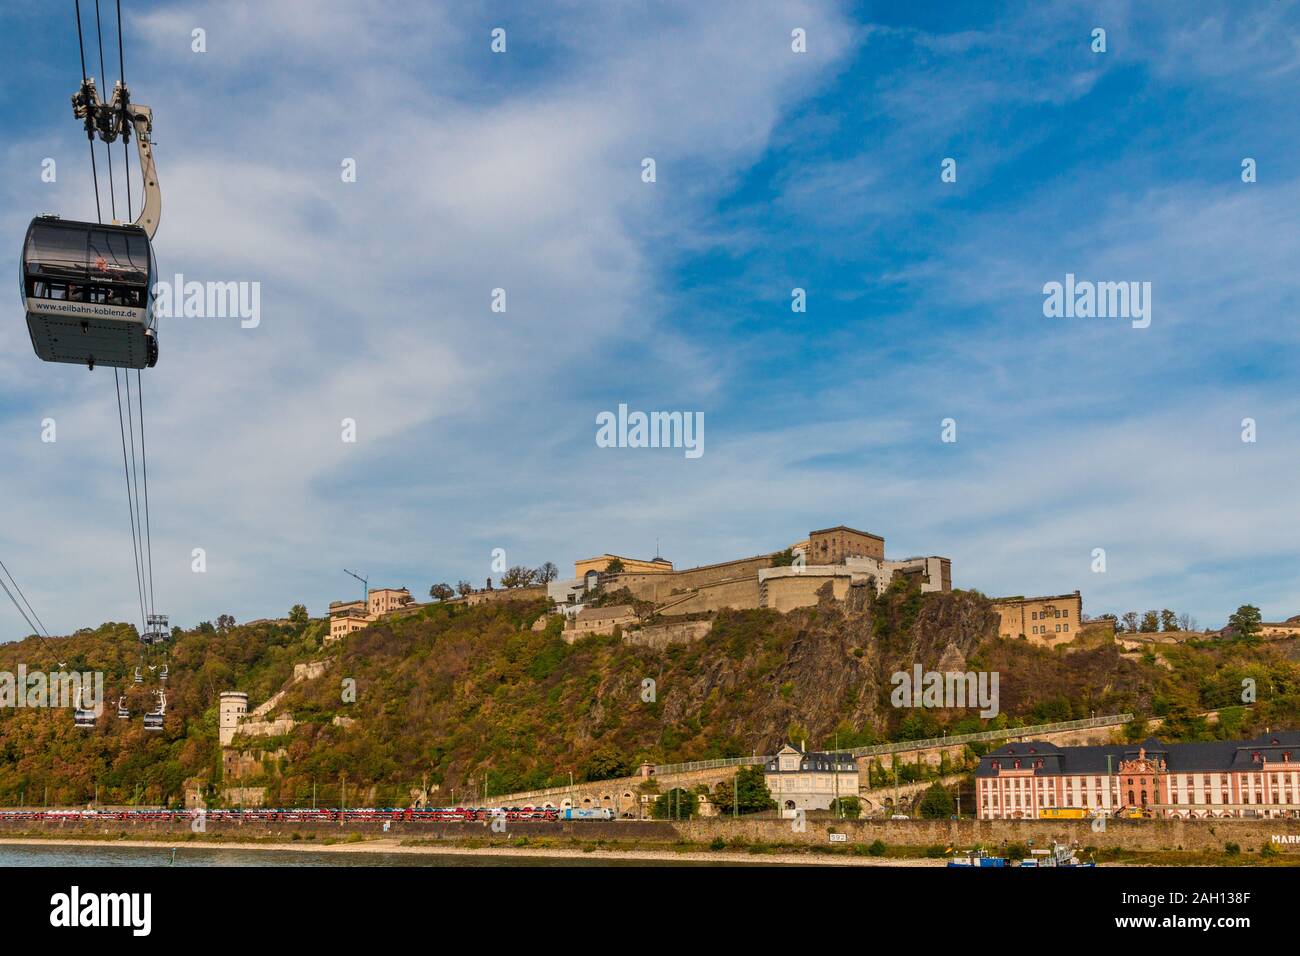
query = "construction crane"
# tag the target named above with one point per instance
(365, 584)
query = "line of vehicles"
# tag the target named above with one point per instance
(296, 815)
(1086, 813)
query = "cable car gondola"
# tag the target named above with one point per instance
(153, 720)
(87, 291)
(82, 716)
(88, 287)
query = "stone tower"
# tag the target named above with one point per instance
(234, 705)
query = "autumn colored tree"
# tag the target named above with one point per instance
(1245, 622)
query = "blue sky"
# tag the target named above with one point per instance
(774, 171)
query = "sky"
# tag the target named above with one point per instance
(774, 170)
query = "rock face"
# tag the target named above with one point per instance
(953, 660)
(833, 666)
(954, 621)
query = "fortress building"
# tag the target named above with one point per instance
(1043, 620)
(349, 616)
(842, 557)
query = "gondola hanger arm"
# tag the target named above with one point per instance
(121, 117)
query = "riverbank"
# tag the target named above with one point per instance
(382, 845)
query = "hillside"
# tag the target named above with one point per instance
(458, 694)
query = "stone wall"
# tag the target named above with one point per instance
(530, 593)
(244, 796)
(609, 792)
(661, 587)
(785, 592)
(962, 834)
(659, 636)
(237, 764)
(740, 593)
(1122, 834)
(265, 728)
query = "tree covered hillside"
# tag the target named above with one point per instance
(470, 696)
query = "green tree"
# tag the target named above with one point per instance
(1135, 729)
(441, 592)
(937, 803)
(783, 559)
(297, 614)
(1131, 621)
(751, 786)
(604, 764)
(614, 567)
(1150, 622)
(676, 804)
(850, 808)
(1245, 622)
(1168, 620)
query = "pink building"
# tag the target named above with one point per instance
(1224, 778)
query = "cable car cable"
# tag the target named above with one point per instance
(19, 607)
(36, 628)
(148, 529)
(147, 599)
(130, 504)
(94, 171)
(108, 150)
(121, 73)
(24, 598)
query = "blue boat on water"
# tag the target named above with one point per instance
(976, 858)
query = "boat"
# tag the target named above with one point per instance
(976, 858)
(1058, 855)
